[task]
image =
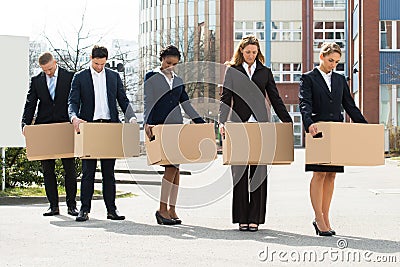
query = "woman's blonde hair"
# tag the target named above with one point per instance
(238, 58)
(328, 48)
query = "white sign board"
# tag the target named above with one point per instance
(14, 83)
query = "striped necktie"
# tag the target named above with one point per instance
(52, 87)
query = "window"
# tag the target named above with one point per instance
(286, 72)
(243, 28)
(330, 4)
(286, 31)
(329, 31)
(389, 35)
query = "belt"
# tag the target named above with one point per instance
(102, 120)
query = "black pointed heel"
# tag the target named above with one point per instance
(161, 220)
(319, 232)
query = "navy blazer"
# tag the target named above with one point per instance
(317, 103)
(81, 98)
(245, 97)
(162, 105)
(49, 110)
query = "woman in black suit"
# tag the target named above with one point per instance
(247, 82)
(322, 94)
(164, 92)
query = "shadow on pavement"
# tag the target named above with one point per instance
(263, 236)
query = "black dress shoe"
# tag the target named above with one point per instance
(162, 220)
(82, 216)
(177, 220)
(114, 215)
(319, 232)
(52, 212)
(73, 211)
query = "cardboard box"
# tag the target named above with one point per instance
(49, 141)
(346, 144)
(107, 140)
(258, 143)
(181, 143)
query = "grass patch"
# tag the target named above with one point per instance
(395, 158)
(34, 192)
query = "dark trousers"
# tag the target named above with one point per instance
(87, 183)
(245, 208)
(50, 181)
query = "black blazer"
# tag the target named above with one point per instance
(162, 105)
(81, 98)
(249, 96)
(317, 103)
(49, 110)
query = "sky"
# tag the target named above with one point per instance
(114, 19)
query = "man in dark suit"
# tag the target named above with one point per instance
(51, 88)
(93, 98)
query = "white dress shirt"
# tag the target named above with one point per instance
(101, 109)
(169, 81)
(327, 77)
(250, 74)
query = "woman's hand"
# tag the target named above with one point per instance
(222, 130)
(148, 130)
(312, 129)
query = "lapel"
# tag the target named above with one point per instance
(90, 83)
(335, 79)
(108, 84)
(321, 82)
(43, 83)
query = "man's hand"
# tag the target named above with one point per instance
(312, 129)
(23, 130)
(76, 121)
(133, 120)
(148, 130)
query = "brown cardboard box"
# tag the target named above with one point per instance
(107, 140)
(346, 144)
(258, 143)
(181, 143)
(49, 141)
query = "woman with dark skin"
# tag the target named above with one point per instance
(164, 93)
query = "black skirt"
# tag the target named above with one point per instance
(323, 168)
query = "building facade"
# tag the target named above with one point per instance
(291, 33)
(195, 27)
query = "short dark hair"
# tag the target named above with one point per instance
(99, 52)
(45, 58)
(170, 50)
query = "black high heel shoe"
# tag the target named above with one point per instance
(332, 231)
(319, 232)
(177, 220)
(162, 220)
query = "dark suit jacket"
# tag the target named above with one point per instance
(81, 98)
(162, 105)
(317, 103)
(49, 110)
(248, 96)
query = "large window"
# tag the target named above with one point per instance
(329, 3)
(329, 31)
(286, 72)
(389, 108)
(389, 35)
(243, 28)
(286, 31)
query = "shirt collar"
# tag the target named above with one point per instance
(329, 74)
(158, 70)
(246, 66)
(94, 72)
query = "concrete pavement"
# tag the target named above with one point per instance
(365, 214)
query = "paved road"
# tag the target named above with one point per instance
(365, 214)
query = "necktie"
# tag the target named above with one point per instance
(52, 86)
(249, 69)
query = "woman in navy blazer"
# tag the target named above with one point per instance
(164, 93)
(322, 95)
